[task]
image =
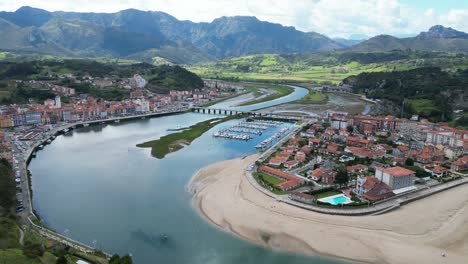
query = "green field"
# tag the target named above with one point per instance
(325, 194)
(270, 181)
(173, 142)
(319, 68)
(313, 97)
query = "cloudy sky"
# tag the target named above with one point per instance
(335, 18)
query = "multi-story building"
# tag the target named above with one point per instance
(395, 177)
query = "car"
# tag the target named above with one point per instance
(19, 209)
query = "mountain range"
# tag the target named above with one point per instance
(438, 38)
(142, 34)
(145, 35)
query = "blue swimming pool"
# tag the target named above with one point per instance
(336, 199)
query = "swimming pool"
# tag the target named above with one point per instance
(336, 199)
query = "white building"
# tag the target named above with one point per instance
(395, 177)
(138, 81)
(58, 102)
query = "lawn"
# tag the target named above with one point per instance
(325, 194)
(172, 142)
(270, 181)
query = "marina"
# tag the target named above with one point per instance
(271, 139)
(232, 136)
(245, 130)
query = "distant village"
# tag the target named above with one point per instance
(354, 160)
(31, 122)
(82, 107)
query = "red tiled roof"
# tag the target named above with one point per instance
(397, 171)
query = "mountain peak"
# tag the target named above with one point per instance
(29, 9)
(439, 31)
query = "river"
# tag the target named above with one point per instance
(96, 186)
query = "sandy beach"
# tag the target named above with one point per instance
(416, 233)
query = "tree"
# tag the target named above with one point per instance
(62, 260)
(409, 162)
(341, 177)
(350, 129)
(116, 259)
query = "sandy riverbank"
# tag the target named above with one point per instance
(416, 233)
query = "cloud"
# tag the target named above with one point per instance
(331, 17)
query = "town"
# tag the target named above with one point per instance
(340, 161)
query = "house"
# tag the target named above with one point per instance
(379, 192)
(301, 197)
(436, 170)
(365, 184)
(357, 142)
(300, 156)
(325, 175)
(314, 142)
(460, 165)
(291, 164)
(276, 161)
(306, 149)
(395, 177)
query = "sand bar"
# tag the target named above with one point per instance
(416, 233)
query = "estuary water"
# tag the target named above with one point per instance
(97, 187)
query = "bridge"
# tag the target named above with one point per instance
(230, 112)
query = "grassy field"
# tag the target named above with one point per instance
(313, 97)
(271, 181)
(319, 68)
(279, 91)
(173, 142)
(325, 194)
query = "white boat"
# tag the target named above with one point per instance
(86, 125)
(117, 121)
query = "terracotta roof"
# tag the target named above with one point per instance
(378, 192)
(370, 182)
(397, 171)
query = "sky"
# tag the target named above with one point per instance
(334, 18)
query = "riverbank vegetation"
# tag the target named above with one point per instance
(176, 141)
(275, 92)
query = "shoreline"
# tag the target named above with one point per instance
(434, 225)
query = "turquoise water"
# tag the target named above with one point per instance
(337, 200)
(96, 186)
